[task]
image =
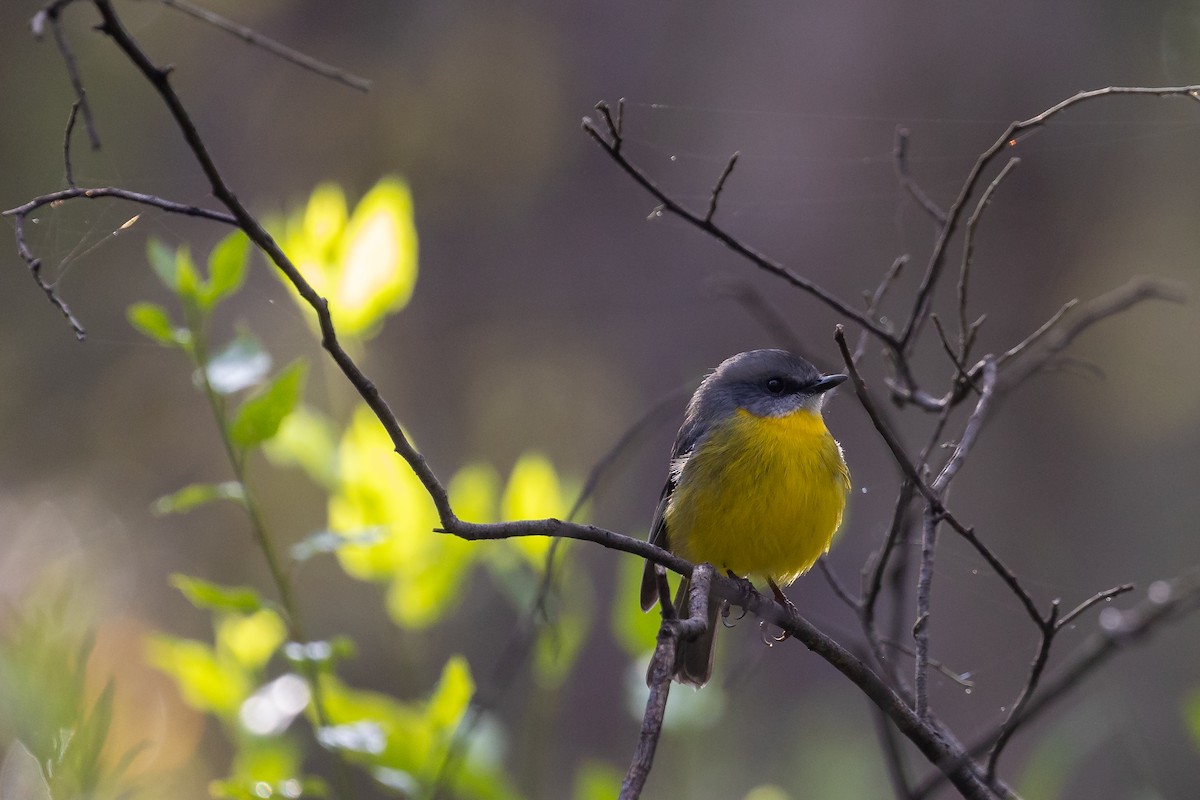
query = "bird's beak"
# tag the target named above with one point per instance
(826, 383)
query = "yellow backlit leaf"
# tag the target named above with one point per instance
(325, 219)
(206, 682)
(425, 589)
(451, 696)
(364, 263)
(378, 492)
(475, 491)
(251, 638)
(533, 492)
(377, 260)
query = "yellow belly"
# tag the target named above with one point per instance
(761, 496)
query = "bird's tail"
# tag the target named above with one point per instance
(694, 657)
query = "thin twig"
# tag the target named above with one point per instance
(875, 298)
(250, 36)
(1165, 601)
(961, 375)
(970, 430)
(96, 192)
(716, 192)
(964, 339)
(1009, 139)
(1098, 597)
(839, 589)
(19, 213)
(610, 141)
(67, 143)
(1007, 728)
(50, 13)
(900, 160)
(1036, 336)
(963, 679)
(875, 568)
(1058, 337)
(927, 491)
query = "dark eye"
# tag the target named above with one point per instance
(775, 385)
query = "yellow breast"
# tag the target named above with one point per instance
(760, 496)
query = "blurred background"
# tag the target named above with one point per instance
(552, 310)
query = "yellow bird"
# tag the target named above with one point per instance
(757, 484)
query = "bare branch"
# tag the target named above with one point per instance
(1057, 338)
(875, 298)
(660, 674)
(20, 212)
(961, 371)
(1165, 601)
(963, 679)
(985, 199)
(50, 13)
(612, 146)
(716, 192)
(837, 586)
(93, 193)
(900, 160)
(1007, 140)
(67, 143)
(921, 626)
(970, 431)
(250, 36)
(1034, 337)
(1008, 728)
(1098, 597)
(933, 742)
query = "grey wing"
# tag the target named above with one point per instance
(685, 441)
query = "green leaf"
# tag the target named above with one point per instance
(162, 259)
(152, 320)
(306, 439)
(242, 364)
(226, 268)
(80, 770)
(188, 284)
(258, 419)
(205, 595)
(197, 494)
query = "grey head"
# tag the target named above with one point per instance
(766, 383)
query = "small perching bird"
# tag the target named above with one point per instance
(757, 484)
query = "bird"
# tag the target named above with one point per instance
(756, 485)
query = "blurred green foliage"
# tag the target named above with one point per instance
(254, 678)
(58, 728)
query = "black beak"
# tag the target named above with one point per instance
(826, 383)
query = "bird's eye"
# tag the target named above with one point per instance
(775, 385)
